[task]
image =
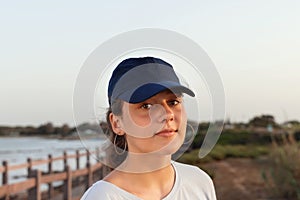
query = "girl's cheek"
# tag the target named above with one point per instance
(142, 123)
(140, 119)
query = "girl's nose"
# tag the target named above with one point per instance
(161, 113)
(168, 114)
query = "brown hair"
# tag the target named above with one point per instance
(119, 141)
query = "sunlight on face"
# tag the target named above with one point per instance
(155, 124)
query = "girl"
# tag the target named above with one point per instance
(148, 122)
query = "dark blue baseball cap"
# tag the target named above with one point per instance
(136, 79)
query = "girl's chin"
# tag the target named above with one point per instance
(169, 149)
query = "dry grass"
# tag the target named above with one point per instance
(283, 177)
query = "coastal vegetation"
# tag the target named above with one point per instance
(272, 148)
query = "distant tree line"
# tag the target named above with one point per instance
(42, 130)
(257, 130)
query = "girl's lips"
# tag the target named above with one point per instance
(166, 133)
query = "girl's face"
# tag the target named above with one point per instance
(156, 125)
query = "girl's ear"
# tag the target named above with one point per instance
(115, 124)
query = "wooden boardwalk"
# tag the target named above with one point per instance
(73, 181)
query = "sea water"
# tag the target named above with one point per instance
(16, 150)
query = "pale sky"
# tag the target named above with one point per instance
(254, 44)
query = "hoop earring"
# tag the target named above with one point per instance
(115, 146)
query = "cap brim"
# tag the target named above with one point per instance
(147, 91)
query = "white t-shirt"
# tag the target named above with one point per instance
(191, 183)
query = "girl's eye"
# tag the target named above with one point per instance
(174, 102)
(146, 106)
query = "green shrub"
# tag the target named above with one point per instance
(220, 152)
(234, 137)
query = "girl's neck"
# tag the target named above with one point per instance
(144, 163)
(147, 178)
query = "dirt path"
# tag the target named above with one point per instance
(240, 178)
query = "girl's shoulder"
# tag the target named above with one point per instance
(186, 169)
(193, 183)
(103, 190)
(189, 174)
(99, 190)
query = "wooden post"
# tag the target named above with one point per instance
(50, 171)
(68, 184)
(77, 159)
(5, 173)
(29, 168)
(35, 192)
(5, 179)
(89, 167)
(77, 179)
(87, 158)
(65, 160)
(90, 176)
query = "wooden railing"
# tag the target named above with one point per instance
(31, 187)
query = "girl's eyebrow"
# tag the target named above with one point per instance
(177, 95)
